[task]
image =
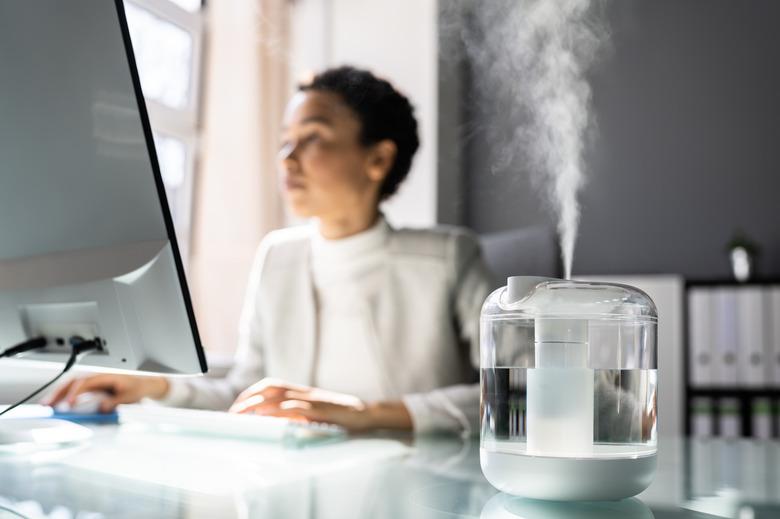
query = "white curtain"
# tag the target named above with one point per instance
(236, 197)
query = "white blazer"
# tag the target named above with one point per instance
(426, 321)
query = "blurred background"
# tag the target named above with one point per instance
(681, 170)
(679, 197)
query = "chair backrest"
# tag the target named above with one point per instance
(529, 251)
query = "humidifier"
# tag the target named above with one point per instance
(568, 382)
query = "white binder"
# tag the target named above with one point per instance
(725, 337)
(761, 418)
(754, 462)
(703, 474)
(729, 419)
(774, 336)
(702, 425)
(700, 326)
(752, 346)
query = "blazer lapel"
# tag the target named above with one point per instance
(293, 328)
(306, 320)
(388, 319)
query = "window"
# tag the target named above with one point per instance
(167, 41)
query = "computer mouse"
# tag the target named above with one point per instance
(86, 403)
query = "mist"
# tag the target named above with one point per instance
(533, 56)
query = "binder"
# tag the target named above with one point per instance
(703, 464)
(700, 337)
(751, 337)
(754, 462)
(701, 417)
(729, 419)
(773, 472)
(761, 418)
(729, 465)
(725, 337)
(774, 336)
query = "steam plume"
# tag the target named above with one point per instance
(534, 55)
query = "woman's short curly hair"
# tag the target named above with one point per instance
(384, 113)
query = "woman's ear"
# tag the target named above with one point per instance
(381, 159)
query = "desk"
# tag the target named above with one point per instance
(128, 471)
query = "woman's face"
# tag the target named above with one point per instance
(326, 172)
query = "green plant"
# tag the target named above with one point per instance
(740, 239)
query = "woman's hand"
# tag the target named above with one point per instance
(272, 397)
(122, 389)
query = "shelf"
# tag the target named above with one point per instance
(745, 395)
(730, 282)
(734, 392)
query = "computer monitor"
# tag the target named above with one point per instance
(87, 244)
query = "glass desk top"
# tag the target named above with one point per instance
(130, 471)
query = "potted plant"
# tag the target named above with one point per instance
(742, 254)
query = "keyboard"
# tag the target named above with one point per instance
(228, 425)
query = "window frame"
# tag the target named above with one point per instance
(182, 124)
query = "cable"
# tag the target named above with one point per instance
(10, 510)
(28, 345)
(81, 348)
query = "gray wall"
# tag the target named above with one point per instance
(688, 104)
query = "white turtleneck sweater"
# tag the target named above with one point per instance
(347, 274)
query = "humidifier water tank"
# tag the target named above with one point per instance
(568, 379)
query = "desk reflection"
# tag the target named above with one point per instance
(504, 506)
(129, 473)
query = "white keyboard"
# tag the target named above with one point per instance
(218, 423)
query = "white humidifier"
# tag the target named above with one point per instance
(568, 380)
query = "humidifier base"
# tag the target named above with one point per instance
(568, 479)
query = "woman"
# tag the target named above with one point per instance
(360, 324)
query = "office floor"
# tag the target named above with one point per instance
(129, 471)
